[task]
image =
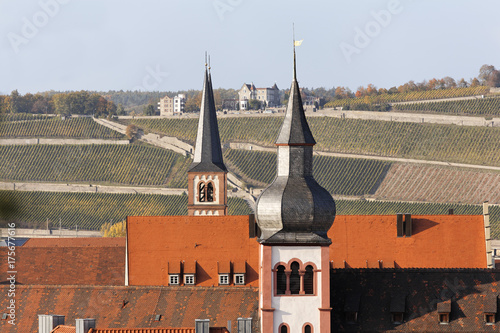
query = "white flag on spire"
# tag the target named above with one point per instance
(297, 42)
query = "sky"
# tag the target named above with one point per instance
(160, 45)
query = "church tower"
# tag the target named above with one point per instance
(294, 215)
(207, 175)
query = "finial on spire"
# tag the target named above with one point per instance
(206, 59)
(209, 63)
(294, 60)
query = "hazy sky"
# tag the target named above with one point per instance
(160, 45)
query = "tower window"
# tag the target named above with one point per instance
(201, 192)
(210, 192)
(309, 280)
(307, 329)
(280, 280)
(295, 278)
(284, 328)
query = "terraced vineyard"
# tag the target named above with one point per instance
(117, 164)
(451, 143)
(410, 182)
(480, 106)
(55, 127)
(90, 210)
(22, 117)
(341, 176)
(411, 96)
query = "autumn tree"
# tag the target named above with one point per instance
(114, 230)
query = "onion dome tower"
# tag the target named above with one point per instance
(294, 215)
(207, 175)
(295, 208)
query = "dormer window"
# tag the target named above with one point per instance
(489, 318)
(351, 307)
(174, 271)
(398, 305)
(490, 309)
(189, 273)
(224, 270)
(173, 279)
(239, 279)
(189, 279)
(223, 279)
(239, 271)
(444, 310)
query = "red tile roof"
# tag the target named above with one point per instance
(142, 330)
(154, 330)
(58, 265)
(154, 241)
(76, 242)
(131, 307)
(64, 329)
(438, 241)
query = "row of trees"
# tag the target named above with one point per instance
(80, 102)
(488, 76)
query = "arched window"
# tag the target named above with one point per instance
(307, 329)
(295, 278)
(283, 328)
(201, 192)
(210, 192)
(309, 280)
(280, 280)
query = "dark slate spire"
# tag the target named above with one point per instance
(207, 152)
(295, 129)
(295, 209)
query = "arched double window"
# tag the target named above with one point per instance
(205, 192)
(280, 280)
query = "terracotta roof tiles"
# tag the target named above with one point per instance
(438, 241)
(131, 307)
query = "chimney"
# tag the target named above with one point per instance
(46, 323)
(400, 225)
(202, 325)
(84, 325)
(408, 225)
(489, 253)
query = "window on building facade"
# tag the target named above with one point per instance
(189, 279)
(280, 280)
(283, 328)
(307, 329)
(173, 279)
(294, 278)
(239, 279)
(223, 279)
(309, 280)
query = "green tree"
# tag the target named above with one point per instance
(149, 110)
(254, 104)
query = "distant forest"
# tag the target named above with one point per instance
(109, 103)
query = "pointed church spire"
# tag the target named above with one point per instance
(295, 209)
(295, 129)
(208, 152)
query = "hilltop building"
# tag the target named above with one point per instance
(170, 106)
(293, 267)
(270, 97)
